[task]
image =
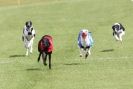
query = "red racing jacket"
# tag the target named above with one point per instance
(42, 47)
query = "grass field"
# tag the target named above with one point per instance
(109, 67)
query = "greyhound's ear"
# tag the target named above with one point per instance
(26, 23)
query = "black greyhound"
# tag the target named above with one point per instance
(45, 47)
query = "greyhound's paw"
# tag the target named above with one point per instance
(80, 55)
(86, 55)
(45, 64)
(31, 52)
(26, 54)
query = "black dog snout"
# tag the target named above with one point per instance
(29, 33)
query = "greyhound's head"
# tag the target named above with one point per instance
(117, 26)
(28, 24)
(84, 34)
(46, 42)
(29, 27)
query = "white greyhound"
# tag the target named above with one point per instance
(118, 31)
(28, 36)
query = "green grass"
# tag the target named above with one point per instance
(63, 19)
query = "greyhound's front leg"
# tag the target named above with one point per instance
(27, 51)
(49, 61)
(116, 37)
(39, 56)
(26, 46)
(87, 52)
(31, 49)
(31, 45)
(44, 57)
(81, 51)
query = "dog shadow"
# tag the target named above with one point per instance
(33, 69)
(107, 50)
(16, 56)
(71, 64)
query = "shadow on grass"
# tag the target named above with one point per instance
(17, 56)
(72, 64)
(107, 50)
(33, 69)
